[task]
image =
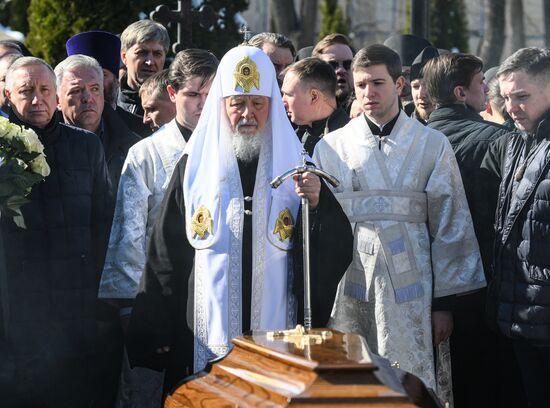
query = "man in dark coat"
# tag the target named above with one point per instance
(105, 48)
(519, 292)
(309, 96)
(56, 352)
(143, 52)
(222, 261)
(81, 100)
(456, 87)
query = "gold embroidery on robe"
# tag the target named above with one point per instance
(284, 225)
(201, 222)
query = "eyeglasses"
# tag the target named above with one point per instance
(344, 64)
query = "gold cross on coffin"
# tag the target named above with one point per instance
(299, 337)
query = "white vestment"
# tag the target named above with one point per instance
(413, 236)
(145, 176)
(212, 187)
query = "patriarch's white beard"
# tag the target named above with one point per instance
(247, 146)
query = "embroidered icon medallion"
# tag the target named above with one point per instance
(284, 225)
(201, 222)
(247, 75)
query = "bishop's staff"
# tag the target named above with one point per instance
(276, 182)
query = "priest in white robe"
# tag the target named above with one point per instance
(225, 253)
(414, 246)
(146, 174)
(144, 179)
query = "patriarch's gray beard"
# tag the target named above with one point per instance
(247, 146)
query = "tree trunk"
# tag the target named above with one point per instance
(546, 7)
(420, 18)
(308, 19)
(490, 47)
(515, 11)
(284, 18)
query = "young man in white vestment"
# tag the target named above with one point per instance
(225, 253)
(145, 176)
(414, 243)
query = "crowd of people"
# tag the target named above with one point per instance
(157, 237)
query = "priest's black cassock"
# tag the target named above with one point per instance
(163, 309)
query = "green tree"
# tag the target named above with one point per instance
(53, 22)
(448, 24)
(332, 19)
(408, 16)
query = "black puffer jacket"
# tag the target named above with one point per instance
(470, 137)
(519, 294)
(58, 350)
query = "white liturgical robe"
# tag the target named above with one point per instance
(145, 176)
(413, 238)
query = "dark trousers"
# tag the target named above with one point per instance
(534, 365)
(482, 359)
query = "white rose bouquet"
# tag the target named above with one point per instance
(22, 165)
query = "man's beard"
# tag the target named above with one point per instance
(247, 146)
(342, 96)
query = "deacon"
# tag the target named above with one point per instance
(414, 241)
(145, 176)
(221, 253)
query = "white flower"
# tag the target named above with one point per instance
(40, 166)
(8, 130)
(31, 141)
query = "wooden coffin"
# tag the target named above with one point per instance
(262, 371)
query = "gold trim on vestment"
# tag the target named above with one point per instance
(201, 222)
(284, 225)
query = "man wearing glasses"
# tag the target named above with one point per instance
(337, 51)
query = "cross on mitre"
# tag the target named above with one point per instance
(246, 33)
